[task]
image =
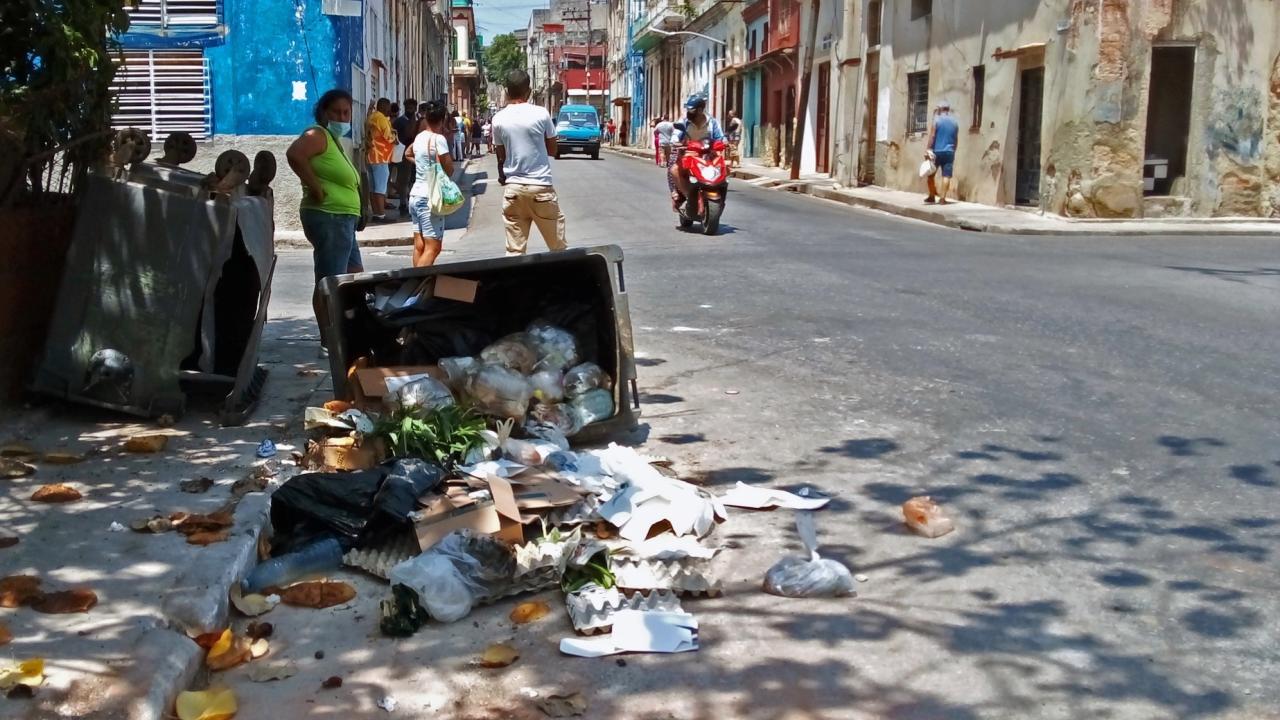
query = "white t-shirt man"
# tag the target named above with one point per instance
(665, 130)
(523, 130)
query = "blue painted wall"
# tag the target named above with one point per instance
(269, 46)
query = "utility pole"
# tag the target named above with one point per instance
(802, 97)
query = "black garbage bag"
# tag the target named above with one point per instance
(360, 508)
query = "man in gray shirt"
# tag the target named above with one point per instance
(524, 138)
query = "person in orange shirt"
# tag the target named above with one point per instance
(381, 140)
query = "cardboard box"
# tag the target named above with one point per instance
(370, 383)
(537, 490)
(340, 453)
(455, 288)
(455, 510)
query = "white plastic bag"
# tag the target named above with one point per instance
(930, 165)
(441, 587)
(814, 576)
(548, 386)
(515, 351)
(557, 349)
(500, 392)
(584, 377)
(425, 394)
(458, 370)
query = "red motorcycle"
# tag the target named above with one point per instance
(704, 164)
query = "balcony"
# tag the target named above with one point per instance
(659, 15)
(465, 69)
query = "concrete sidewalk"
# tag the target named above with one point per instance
(981, 218)
(400, 233)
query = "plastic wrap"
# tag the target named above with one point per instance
(584, 377)
(515, 351)
(458, 370)
(455, 573)
(812, 576)
(592, 406)
(500, 391)
(425, 393)
(548, 386)
(556, 347)
(561, 416)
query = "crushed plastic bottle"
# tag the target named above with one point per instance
(317, 557)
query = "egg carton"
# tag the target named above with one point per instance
(686, 577)
(537, 568)
(591, 609)
(586, 510)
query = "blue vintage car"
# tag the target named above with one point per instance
(578, 131)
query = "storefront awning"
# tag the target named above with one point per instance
(1002, 54)
(772, 57)
(622, 101)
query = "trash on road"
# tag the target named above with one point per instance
(639, 631)
(527, 612)
(155, 524)
(760, 498)
(14, 468)
(318, 594)
(146, 443)
(925, 517)
(592, 608)
(56, 493)
(319, 557)
(388, 703)
(563, 706)
(812, 576)
(228, 651)
(252, 604)
(116, 527)
(266, 449)
(196, 486)
(212, 704)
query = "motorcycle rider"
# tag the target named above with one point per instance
(697, 125)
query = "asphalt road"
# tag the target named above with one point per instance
(1098, 416)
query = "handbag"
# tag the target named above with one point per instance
(446, 196)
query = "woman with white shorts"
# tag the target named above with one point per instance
(428, 148)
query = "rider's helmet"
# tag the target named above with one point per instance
(695, 102)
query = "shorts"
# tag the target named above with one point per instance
(946, 161)
(379, 173)
(425, 222)
(333, 242)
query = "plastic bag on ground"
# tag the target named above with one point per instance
(500, 391)
(458, 370)
(814, 576)
(450, 576)
(515, 351)
(584, 377)
(593, 406)
(925, 517)
(556, 347)
(548, 386)
(425, 394)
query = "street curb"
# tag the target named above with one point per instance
(1087, 227)
(296, 240)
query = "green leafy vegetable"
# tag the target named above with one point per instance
(444, 435)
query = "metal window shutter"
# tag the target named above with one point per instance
(163, 91)
(174, 13)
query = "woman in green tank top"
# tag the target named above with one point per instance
(330, 206)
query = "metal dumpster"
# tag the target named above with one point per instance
(583, 290)
(164, 293)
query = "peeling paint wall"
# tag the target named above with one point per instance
(1097, 58)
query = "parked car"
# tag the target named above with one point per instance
(578, 131)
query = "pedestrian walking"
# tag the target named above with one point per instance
(405, 127)
(451, 131)
(610, 129)
(486, 132)
(330, 209)
(733, 130)
(662, 133)
(944, 138)
(381, 142)
(524, 137)
(477, 134)
(428, 148)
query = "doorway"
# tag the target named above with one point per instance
(1168, 117)
(867, 161)
(1030, 110)
(823, 118)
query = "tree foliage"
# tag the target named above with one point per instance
(502, 56)
(56, 67)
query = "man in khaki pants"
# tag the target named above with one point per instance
(525, 139)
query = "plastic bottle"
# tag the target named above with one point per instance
(317, 557)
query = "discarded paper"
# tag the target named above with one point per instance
(759, 498)
(639, 631)
(252, 604)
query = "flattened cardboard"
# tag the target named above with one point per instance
(497, 516)
(455, 288)
(537, 490)
(372, 382)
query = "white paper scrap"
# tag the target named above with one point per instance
(639, 631)
(758, 498)
(502, 468)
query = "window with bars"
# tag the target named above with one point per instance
(979, 93)
(163, 91)
(918, 102)
(173, 13)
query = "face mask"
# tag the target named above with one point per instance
(339, 129)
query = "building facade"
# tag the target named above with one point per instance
(245, 74)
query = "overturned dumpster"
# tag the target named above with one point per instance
(456, 320)
(166, 286)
